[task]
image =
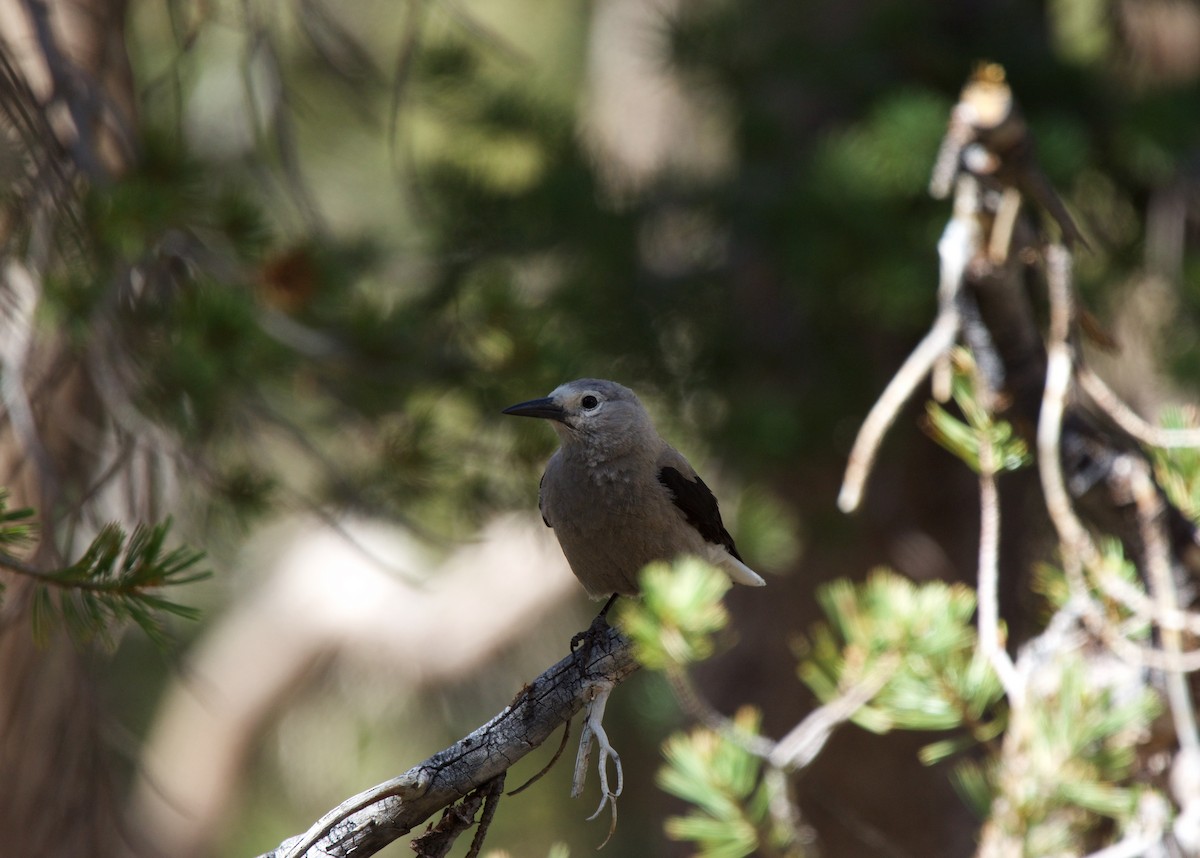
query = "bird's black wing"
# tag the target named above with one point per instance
(699, 507)
(541, 508)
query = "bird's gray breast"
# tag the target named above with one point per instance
(610, 520)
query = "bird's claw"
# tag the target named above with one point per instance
(583, 642)
(593, 728)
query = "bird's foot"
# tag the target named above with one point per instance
(593, 731)
(583, 642)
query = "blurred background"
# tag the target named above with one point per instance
(272, 269)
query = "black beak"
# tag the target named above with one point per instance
(545, 408)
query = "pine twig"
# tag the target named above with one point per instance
(1125, 417)
(989, 576)
(866, 446)
(1151, 512)
(1079, 551)
(1059, 370)
(115, 580)
(804, 741)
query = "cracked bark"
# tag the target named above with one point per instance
(364, 824)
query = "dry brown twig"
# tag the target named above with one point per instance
(437, 840)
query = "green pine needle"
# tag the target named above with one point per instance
(1072, 766)
(963, 439)
(973, 782)
(117, 580)
(1051, 582)
(17, 526)
(1177, 469)
(721, 779)
(941, 683)
(680, 612)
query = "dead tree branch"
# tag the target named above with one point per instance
(365, 823)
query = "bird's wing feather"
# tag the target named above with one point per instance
(542, 500)
(695, 500)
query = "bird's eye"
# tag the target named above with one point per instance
(589, 402)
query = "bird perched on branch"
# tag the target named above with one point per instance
(618, 496)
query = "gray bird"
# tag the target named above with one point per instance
(618, 496)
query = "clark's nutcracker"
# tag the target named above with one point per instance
(618, 496)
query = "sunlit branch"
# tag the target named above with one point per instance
(365, 823)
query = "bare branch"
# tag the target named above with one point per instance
(883, 413)
(1059, 368)
(1128, 419)
(1151, 514)
(959, 244)
(702, 711)
(802, 744)
(597, 695)
(437, 841)
(364, 824)
(1151, 823)
(989, 576)
(20, 295)
(1079, 551)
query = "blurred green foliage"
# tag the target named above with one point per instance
(18, 527)
(357, 235)
(1071, 761)
(941, 681)
(118, 580)
(508, 271)
(1008, 451)
(723, 783)
(673, 623)
(1177, 469)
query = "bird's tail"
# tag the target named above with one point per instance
(738, 571)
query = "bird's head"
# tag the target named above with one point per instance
(592, 412)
